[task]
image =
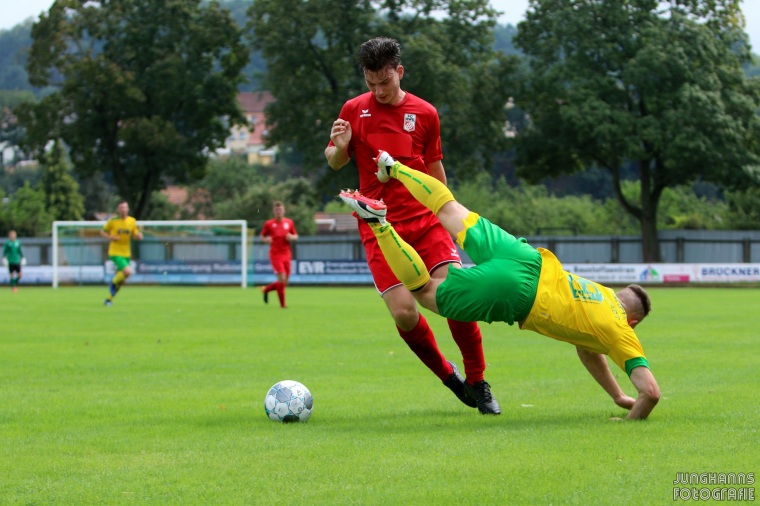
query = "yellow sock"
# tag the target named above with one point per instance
(428, 190)
(118, 279)
(403, 260)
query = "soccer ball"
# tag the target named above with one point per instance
(288, 401)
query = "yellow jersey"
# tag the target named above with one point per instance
(578, 311)
(125, 229)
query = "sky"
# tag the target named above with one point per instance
(16, 11)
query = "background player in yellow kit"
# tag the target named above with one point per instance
(514, 282)
(119, 230)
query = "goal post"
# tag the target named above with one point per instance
(171, 252)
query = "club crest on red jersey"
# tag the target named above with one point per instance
(410, 122)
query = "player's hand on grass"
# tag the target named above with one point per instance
(625, 402)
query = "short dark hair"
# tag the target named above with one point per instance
(379, 53)
(278, 203)
(643, 296)
(121, 202)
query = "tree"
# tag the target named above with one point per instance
(99, 196)
(744, 208)
(12, 180)
(62, 198)
(13, 46)
(10, 134)
(310, 50)
(161, 208)
(233, 189)
(26, 212)
(254, 203)
(145, 90)
(4, 225)
(225, 180)
(12, 98)
(656, 83)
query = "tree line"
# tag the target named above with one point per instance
(652, 99)
(232, 188)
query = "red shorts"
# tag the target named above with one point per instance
(425, 234)
(280, 263)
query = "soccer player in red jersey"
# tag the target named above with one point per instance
(408, 127)
(279, 232)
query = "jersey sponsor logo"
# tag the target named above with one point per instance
(410, 122)
(584, 290)
(365, 113)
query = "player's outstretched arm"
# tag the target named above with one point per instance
(649, 393)
(597, 366)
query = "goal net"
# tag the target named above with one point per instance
(171, 252)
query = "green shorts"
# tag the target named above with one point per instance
(500, 287)
(120, 262)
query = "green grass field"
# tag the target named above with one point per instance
(159, 400)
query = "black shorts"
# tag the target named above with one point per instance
(14, 268)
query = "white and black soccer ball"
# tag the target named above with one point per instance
(288, 401)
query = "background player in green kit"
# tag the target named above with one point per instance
(13, 257)
(514, 282)
(119, 230)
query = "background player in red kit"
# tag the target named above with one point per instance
(408, 127)
(279, 232)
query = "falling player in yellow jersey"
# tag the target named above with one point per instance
(514, 282)
(120, 230)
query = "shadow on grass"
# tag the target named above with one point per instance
(419, 422)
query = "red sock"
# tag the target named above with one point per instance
(271, 286)
(470, 342)
(281, 293)
(422, 342)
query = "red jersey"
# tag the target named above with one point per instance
(409, 131)
(277, 230)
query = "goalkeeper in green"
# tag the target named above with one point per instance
(13, 257)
